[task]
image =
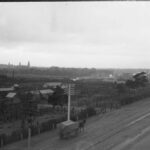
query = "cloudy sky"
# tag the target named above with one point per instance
(76, 34)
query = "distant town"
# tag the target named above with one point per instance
(71, 73)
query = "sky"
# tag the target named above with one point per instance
(76, 34)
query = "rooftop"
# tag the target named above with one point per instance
(53, 84)
(6, 89)
(46, 91)
(10, 95)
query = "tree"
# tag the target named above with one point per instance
(139, 80)
(58, 97)
(131, 84)
(121, 88)
(2, 109)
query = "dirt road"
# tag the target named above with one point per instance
(116, 130)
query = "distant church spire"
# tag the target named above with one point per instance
(28, 64)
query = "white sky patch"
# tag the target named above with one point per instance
(91, 34)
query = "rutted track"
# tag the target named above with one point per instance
(122, 126)
(115, 133)
(99, 130)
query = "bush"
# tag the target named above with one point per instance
(15, 136)
(91, 111)
(25, 133)
(44, 126)
(1, 139)
(34, 130)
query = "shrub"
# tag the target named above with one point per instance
(34, 130)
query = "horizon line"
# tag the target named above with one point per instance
(75, 67)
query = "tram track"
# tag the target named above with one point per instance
(111, 132)
(116, 132)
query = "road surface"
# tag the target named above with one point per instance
(123, 129)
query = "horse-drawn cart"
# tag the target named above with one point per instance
(68, 128)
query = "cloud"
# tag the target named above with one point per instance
(118, 32)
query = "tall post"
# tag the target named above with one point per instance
(29, 137)
(29, 132)
(13, 74)
(69, 98)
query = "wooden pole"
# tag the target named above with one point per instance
(29, 138)
(69, 99)
(2, 142)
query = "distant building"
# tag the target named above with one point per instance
(13, 106)
(9, 64)
(46, 91)
(19, 64)
(15, 86)
(120, 82)
(6, 89)
(10, 95)
(64, 86)
(28, 65)
(42, 94)
(52, 84)
(125, 76)
(108, 79)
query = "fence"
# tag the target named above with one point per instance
(51, 124)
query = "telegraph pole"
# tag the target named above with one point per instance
(29, 137)
(29, 132)
(69, 99)
(69, 90)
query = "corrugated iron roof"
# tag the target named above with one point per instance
(10, 95)
(6, 89)
(53, 84)
(46, 91)
(35, 92)
(16, 85)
